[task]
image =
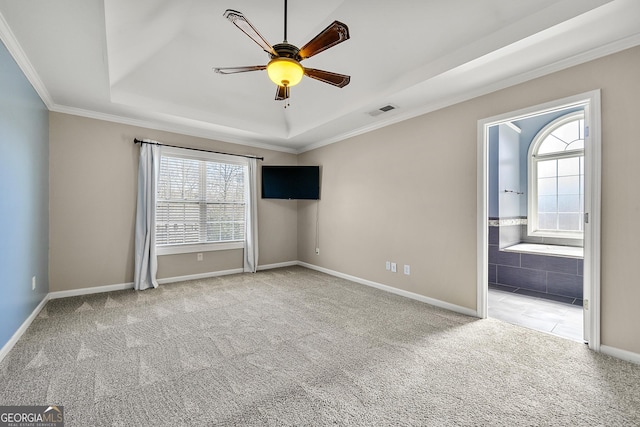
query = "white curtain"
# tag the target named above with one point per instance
(146, 262)
(251, 220)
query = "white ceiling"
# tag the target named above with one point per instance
(149, 62)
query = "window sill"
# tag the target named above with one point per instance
(200, 247)
(554, 250)
(578, 235)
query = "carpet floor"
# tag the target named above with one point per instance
(294, 346)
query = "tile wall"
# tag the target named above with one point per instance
(550, 277)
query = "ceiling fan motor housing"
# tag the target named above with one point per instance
(286, 50)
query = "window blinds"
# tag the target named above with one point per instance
(199, 201)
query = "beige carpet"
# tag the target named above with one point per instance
(297, 347)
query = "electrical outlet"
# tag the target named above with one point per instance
(199, 258)
(33, 283)
(317, 251)
(387, 265)
(407, 269)
(394, 267)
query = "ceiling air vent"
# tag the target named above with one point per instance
(381, 110)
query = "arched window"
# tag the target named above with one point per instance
(556, 179)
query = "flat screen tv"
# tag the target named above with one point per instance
(291, 182)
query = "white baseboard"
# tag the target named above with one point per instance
(621, 354)
(129, 285)
(22, 329)
(199, 276)
(92, 290)
(611, 351)
(407, 294)
(278, 265)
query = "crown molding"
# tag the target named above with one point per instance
(168, 126)
(590, 55)
(14, 48)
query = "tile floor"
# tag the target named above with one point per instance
(564, 320)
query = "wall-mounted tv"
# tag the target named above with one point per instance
(291, 182)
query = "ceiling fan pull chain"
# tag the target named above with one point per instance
(287, 96)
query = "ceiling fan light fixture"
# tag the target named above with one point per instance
(285, 71)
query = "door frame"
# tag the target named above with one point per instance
(592, 204)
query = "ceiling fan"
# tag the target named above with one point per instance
(284, 68)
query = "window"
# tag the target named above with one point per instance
(556, 179)
(201, 202)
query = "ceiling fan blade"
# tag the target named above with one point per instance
(335, 33)
(239, 20)
(282, 93)
(234, 70)
(339, 80)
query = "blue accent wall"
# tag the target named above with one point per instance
(508, 172)
(494, 167)
(24, 197)
(530, 128)
(504, 172)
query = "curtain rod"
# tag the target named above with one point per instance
(139, 141)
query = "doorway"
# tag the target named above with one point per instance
(531, 240)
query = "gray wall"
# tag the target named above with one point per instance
(407, 193)
(94, 175)
(24, 197)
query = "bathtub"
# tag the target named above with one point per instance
(542, 249)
